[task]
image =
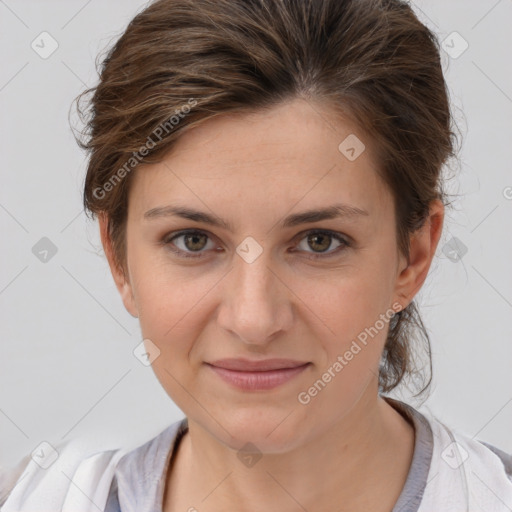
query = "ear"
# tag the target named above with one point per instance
(423, 244)
(120, 278)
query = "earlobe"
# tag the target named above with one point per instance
(118, 274)
(423, 244)
(128, 300)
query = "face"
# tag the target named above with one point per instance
(260, 281)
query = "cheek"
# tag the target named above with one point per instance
(165, 293)
(172, 316)
(355, 313)
(348, 304)
(174, 305)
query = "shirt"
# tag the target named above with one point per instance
(139, 481)
(449, 472)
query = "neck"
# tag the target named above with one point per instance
(361, 462)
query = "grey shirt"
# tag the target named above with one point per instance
(139, 480)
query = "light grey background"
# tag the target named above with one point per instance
(66, 366)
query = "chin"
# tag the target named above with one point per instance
(271, 431)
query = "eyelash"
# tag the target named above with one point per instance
(344, 243)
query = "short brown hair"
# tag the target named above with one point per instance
(371, 60)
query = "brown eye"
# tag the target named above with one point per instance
(317, 244)
(320, 242)
(189, 244)
(195, 241)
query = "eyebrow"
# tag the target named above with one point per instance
(308, 216)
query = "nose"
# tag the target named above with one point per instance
(255, 303)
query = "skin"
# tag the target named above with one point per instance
(347, 449)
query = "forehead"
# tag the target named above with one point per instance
(292, 130)
(280, 157)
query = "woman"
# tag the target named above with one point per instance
(267, 179)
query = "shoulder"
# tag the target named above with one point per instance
(139, 471)
(71, 475)
(147, 456)
(45, 480)
(466, 473)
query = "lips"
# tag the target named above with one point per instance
(247, 365)
(251, 375)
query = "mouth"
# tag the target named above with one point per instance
(257, 375)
